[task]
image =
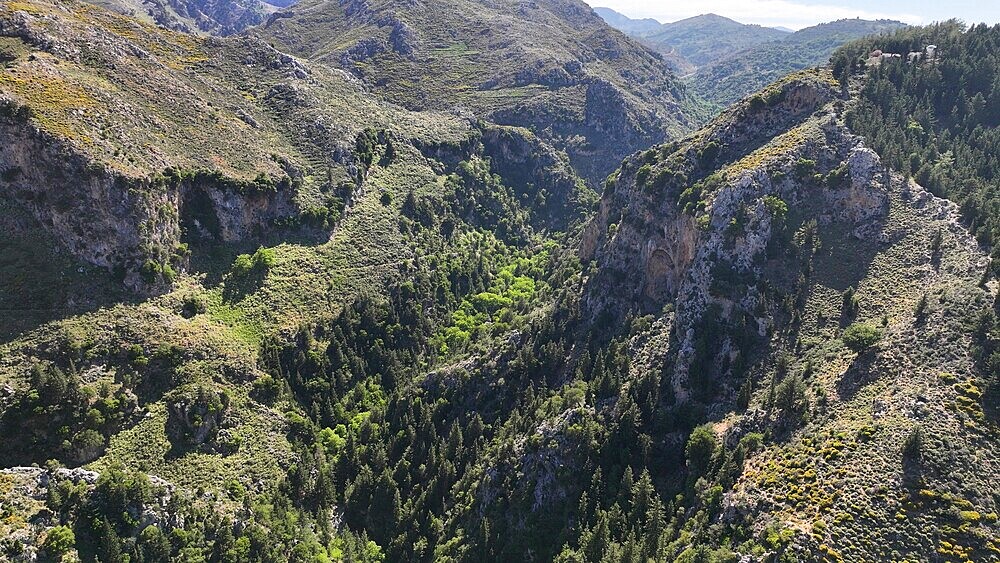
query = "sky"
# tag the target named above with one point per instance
(796, 14)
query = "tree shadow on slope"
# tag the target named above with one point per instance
(862, 371)
(843, 260)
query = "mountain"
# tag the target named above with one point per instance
(629, 26)
(724, 60)
(254, 311)
(708, 38)
(730, 78)
(788, 279)
(223, 17)
(239, 194)
(554, 67)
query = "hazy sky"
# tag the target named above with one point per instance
(802, 13)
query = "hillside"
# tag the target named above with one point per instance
(238, 193)
(258, 312)
(707, 38)
(723, 60)
(801, 278)
(730, 78)
(554, 67)
(224, 17)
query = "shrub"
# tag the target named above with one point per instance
(150, 271)
(790, 395)
(264, 258)
(708, 153)
(59, 541)
(920, 311)
(804, 167)
(642, 175)
(266, 388)
(837, 177)
(169, 274)
(193, 304)
(851, 304)
(776, 206)
(259, 263)
(859, 337)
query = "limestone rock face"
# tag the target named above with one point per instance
(96, 214)
(119, 222)
(703, 227)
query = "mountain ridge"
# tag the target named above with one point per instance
(728, 79)
(583, 82)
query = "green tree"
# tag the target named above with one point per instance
(58, 542)
(859, 337)
(701, 448)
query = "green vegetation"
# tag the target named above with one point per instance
(704, 39)
(859, 337)
(562, 72)
(397, 336)
(932, 120)
(58, 541)
(727, 79)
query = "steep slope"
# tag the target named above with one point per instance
(222, 17)
(730, 78)
(642, 28)
(180, 138)
(763, 344)
(707, 38)
(163, 157)
(552, 66)
(742, 366)
(766, 235)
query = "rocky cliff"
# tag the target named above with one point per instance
(749, 248)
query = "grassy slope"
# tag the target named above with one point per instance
(841, 479)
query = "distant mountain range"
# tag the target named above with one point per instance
(726, 60)
(633, 27)
(726, 80)
(707, 38)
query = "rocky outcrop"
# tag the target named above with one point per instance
(120, 222)
(532, 168)
(608, 126)
(701, 226)
(194, 418)
(552, 67)
(101, 217)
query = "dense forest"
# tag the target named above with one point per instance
(936, 120)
